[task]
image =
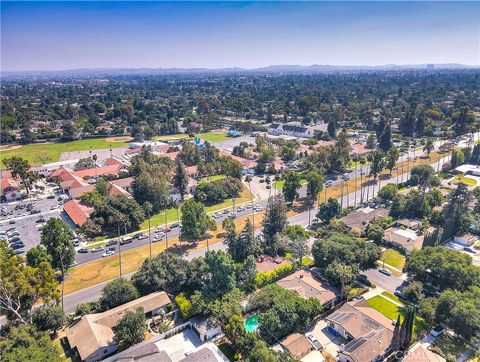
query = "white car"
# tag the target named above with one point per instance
(217, 215)
(108, 253)
(437, 331)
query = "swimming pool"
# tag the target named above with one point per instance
(251, 323)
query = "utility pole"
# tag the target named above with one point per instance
(119, 248)
(166, 233)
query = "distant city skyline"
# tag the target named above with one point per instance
(74, 35)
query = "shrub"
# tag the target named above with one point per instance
(267, 277)
(184, 305)
(216, 191)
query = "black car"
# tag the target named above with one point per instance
(82, 250)
(40, 220)
(112, 242)
(14, 239)
(50, 197)
(17, 246)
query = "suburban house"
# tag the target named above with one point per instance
(405, 239)
(358, 220)
(77, 212)
(308, 286)
(367, 331)
(92, 334)
(297, 345)
(408, 223)
(294, 129)
(10, 189)
(468, 170)
(419, 353)
(205, 327)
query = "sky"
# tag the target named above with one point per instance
(73, 35)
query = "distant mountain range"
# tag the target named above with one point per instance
(314, 68)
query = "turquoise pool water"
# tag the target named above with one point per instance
(251, 323)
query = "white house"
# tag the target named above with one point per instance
(296, 130)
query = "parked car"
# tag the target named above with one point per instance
(437, 331)
(160, 229)
(82, 250)
(217, 215)
(42, 219)
(174, 225)
(11, 222)
(314, 341)
(385, 272)
(469, 250)
(328, 183)
(112, 242)
(232, 215)
(76, 242)
(11, 229)
(345, 177)
(158, 237)
(17, 246)
(141, 236)
(35, 211)
(399, 294)
(167, 229)
(97, 249)
(240, 209)
(225, 211)
(18, 251)
(50, 197)
(13, 239)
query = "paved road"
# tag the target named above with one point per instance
(389, 283)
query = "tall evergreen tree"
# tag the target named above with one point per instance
(274, 221)
(180, 180)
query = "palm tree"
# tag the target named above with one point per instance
(248, 179)
(148, 207)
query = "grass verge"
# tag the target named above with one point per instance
(392, 297)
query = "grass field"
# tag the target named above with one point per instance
(391, 311)
(211, 178)
(393, 258)
(42, 153)
(279, 184)
(171, 137)
(212, 136)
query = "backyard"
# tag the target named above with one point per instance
(42, 153)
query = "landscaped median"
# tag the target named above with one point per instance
(101, 270)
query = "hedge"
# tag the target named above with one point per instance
(267, 277)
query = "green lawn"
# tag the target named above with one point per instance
(211, 178)
(466, 180)
(212, 136)
(391, 311)
(392, 297)
(393, 258)
(279, 184)
(41, 153)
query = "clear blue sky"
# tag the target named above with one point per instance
(70, 35)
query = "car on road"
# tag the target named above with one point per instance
(141, 236)
(258, 208)
(232, 215)
(126, 240)
(158, 237)
(112, 242)
(328, 183)
(249, 206)
(217, 215)
(240, 209)
(108, 253)
(167, 229)
(82, 250)
(385, 272)
(42, 219)
(437, 331)
(74, 263)
(314, 341)
(96, 249)
(160, 229)
(11, 222)
(225, 211)
(174, 225)
(345, 177)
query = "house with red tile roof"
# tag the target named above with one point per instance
(77, 212)
(10, 189)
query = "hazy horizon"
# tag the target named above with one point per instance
(59, 36)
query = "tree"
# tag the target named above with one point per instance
(443, 268)
(428, 148)
(246, 273)
(291, 186)
(130, 329)
(424, 177)
(243, 245)
(180, 180)
(340, 274)
(230, 167)
(329, 210)
(49, 318)
(117, 292)
(388, 192)
(392, 158)
(195, 222)
(456, 212)
(166, 271)
(20, 167)
(274, 222)
(57, 239)
(37, 255)
(378, 164)
(332, 129)
(374, 232)
(457, 158)
(385, 139)
(220, 274)
(22, 286)
(413, 292)
(25, 343)
(371, 141)
(341, 151)
(153, 184)
(224, 308)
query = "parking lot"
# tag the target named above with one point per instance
(28, 216)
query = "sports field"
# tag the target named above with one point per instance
(42, 153)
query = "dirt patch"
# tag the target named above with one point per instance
(119, 139)
(10, 148)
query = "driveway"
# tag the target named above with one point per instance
(389, 283)
(330, 342)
